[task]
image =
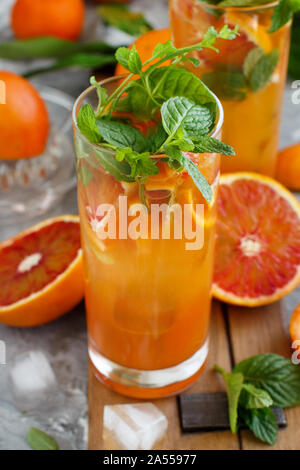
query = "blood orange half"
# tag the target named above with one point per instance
(41, 272)
(258, 240)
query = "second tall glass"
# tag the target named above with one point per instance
(247, 74)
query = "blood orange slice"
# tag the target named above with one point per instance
(258, 240)
(41, 272)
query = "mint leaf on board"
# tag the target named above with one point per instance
(262, 423)
(253, 397)
(278, 376)
(121, 135)
(119, 16)
(212, 145)
(39, 440)
(234, 384)
(226, 84)
(263, 70)
(86, 122)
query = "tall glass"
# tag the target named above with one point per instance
(148, 294)
(251, 100)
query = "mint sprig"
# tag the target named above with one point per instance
(184, 109)
(254, 386)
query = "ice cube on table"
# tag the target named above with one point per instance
(32, 381)
(141, 426)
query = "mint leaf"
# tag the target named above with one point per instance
(121, 135)
(181, 113)
(162, 49)
(102, 95)
(263, 70)
(86, 122)
(119, 16)
(262, 423)
(274, 374)
(140, 163)
(134, 61)
(120, 170)
(157, 139)
(199, 180)
(253, 397)
(122, 56)
(234, 384)
(283, 12)
(212, 145)
(39, 440)
(251, 60)
(173, 113)
(85, 175)
(226, 85)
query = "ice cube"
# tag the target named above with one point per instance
(33, 382)
(141, 426)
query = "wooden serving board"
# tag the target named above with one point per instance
(236, 333)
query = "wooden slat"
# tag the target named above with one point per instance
(256, 331)
(208, 382)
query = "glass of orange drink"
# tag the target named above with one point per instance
(247, 74)
(148, 294)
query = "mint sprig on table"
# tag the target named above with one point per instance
(254, 386)
(182, 106)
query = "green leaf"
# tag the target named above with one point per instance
(86, 122)
(39, 440)
(140, 163)
(253, 397)
(122, 135)
(162, 49)
(252, 58)
(263, 70)
(50, 48)
(262, 423)
(120, 170)
(199, 180)
(234, 384)
(199, 121)
(274, 374)
(226, 85)
(157, 139)
(134, 61)
(173, 113)
(85, 175)
(282, 14)
(89, 61)
(102, 95)
(212, 145)
(241, 3)
(122, 56)
(119, 16)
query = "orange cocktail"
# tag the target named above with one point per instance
(250, 92)
(147, 297)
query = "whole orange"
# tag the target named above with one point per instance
(24, 121)
(288, 167)
(60, 18)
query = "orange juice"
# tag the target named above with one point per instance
(252, 108)
(147, 297)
